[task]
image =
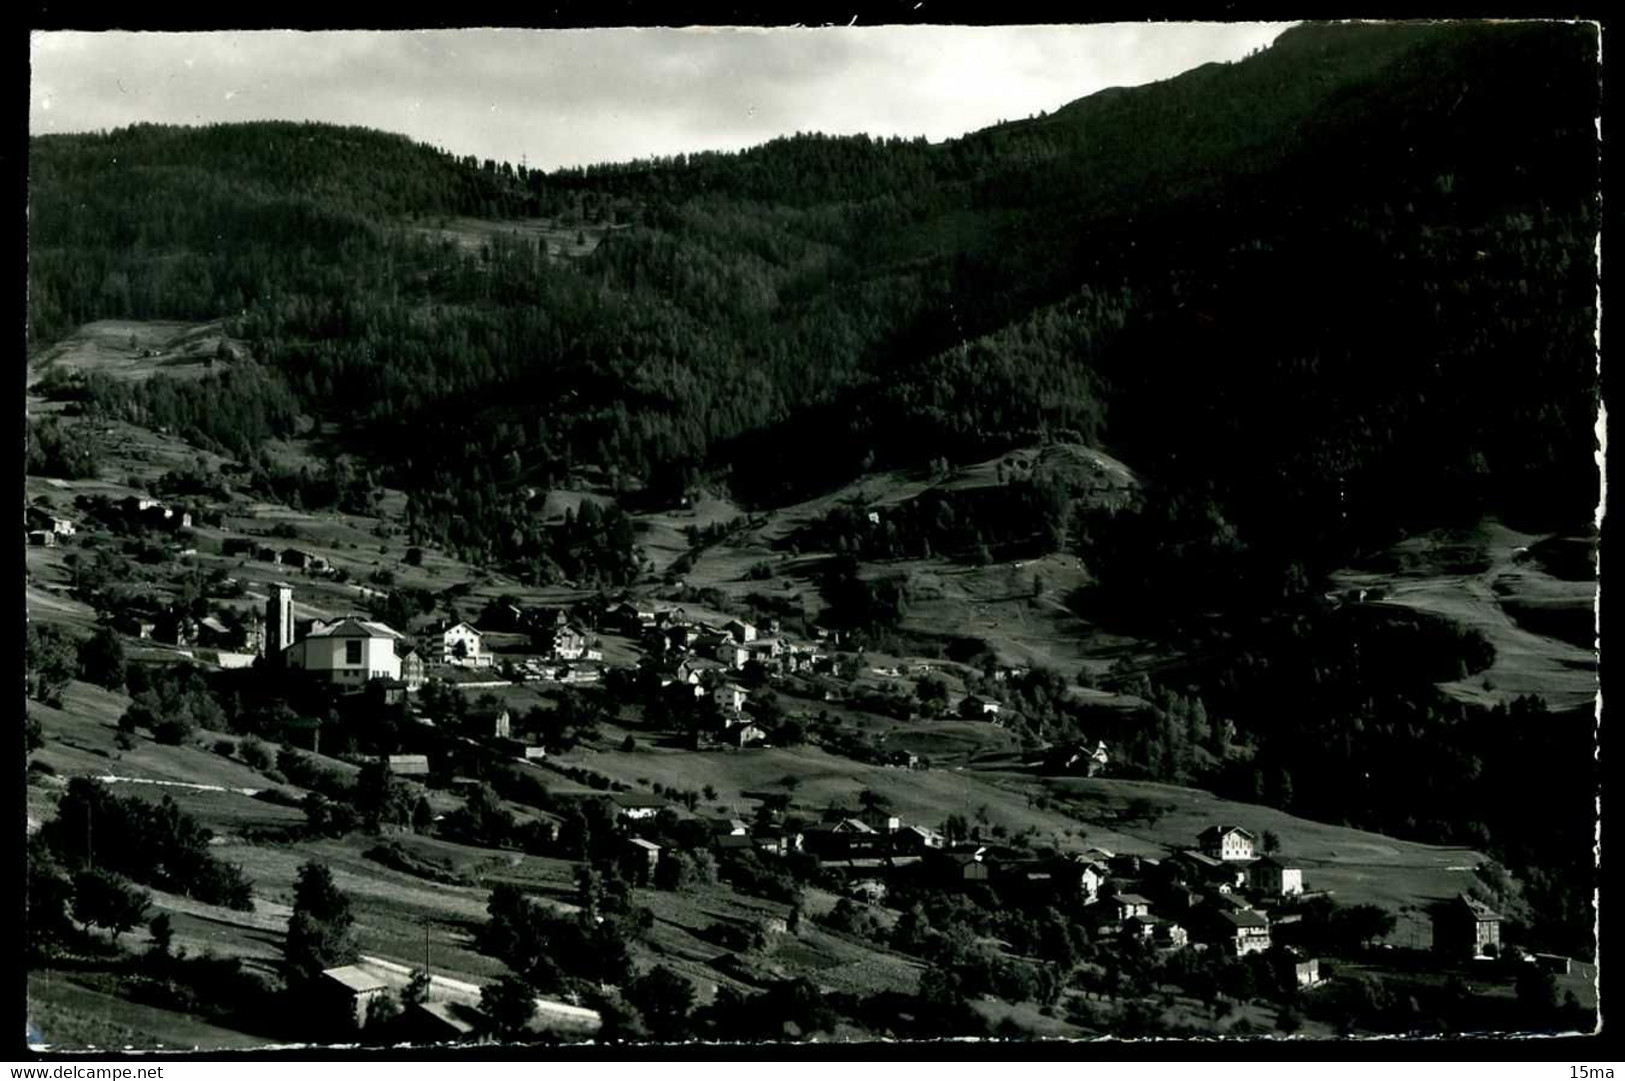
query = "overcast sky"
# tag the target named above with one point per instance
(572, 97)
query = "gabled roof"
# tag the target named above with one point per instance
(1245, 919)
(1477, 908)
(639, 842)
(353, 627)
(637, 799)
(1202, 859)
(1132, 899)
(443, 1012)
(475, 631)
(357, 979)
(1221, 831)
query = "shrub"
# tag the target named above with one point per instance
(225, 748)
(173, 731)
(255, 753)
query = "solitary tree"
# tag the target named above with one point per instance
(101, 659)
(664, 999)
(508, 1005)
(320, 931)
(103, 899)
(162, 930)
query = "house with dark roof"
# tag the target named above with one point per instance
(1275, 877)
(1242, 932)
(41, 519)
(637, 804)
(1466, 928)
(1129, 905)
(642, 854)
(1227, 843)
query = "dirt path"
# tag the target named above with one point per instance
(109, 778)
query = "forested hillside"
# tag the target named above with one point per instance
(1346, 282)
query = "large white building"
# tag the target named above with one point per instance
(349, 651)
(462, 646)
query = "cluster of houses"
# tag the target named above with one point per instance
(44, 528)
(1219, 894)
(155, 512)
(543, 644)
(293, 558)
(673, 638)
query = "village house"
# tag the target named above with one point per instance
(880, 820)
(41, 519)
(747, 735)
(765, 649)
(412, 669)
(351, 988)
(42, 538)
(215, 633)
(912, 837)
(349, 652)
(1142, 927)
(1168, 935)
(958, 868)
(976, 708)
(727, 827)
(1275, 878)
(443, 1022)
(731, 653)
(387, 692)
(409, 765)
(463, 645)
(637, 805)
(1296, 970)
(305, 561)
(680, 637)
(1085, 875)
(740, 631)
(1243, 932)
(135, 506)
(1227, 843)
(1129, 905)
(846, 838)
(566, 642)
(777, 841)
(1466, 928)
(496, 722)
(642, 854)
(135, 624)
(175, 628)
(731, 697)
